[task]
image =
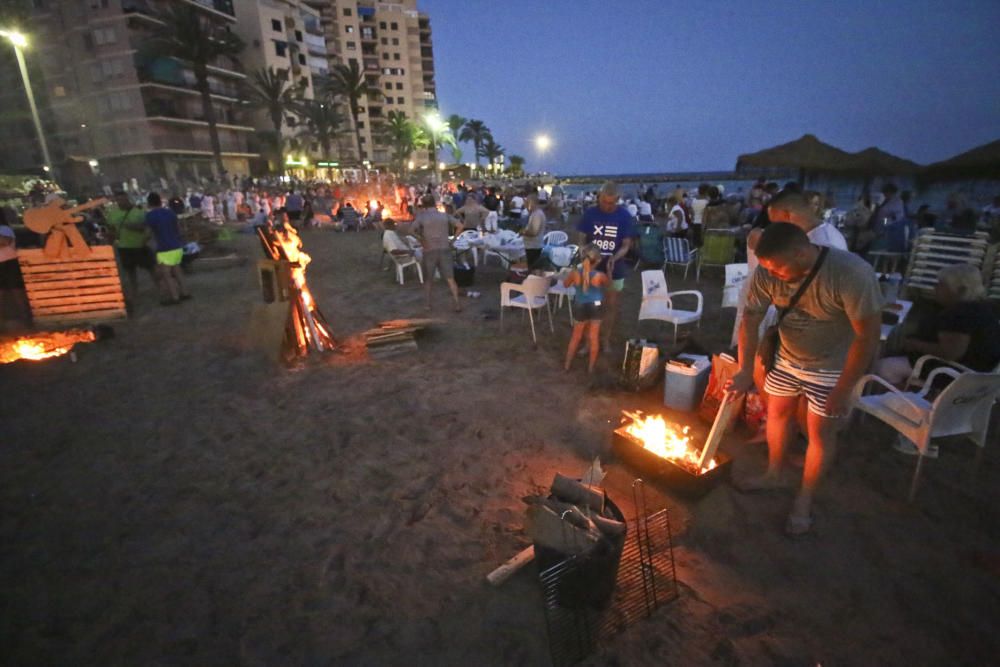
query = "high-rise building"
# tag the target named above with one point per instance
(286, 37)
(391, 41)
(110, 105)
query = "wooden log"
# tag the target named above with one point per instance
(548, 529)
(577, 493)
(573, 514)
(515, 563)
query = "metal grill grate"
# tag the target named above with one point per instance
(646, 580)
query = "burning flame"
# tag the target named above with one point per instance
(291, 243)
(665, 439)
(43, 346)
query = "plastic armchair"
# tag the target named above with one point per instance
(531, 295)
(658, 303)
(556, 238)
(401, 257)
(962, 408)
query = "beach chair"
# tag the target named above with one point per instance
(649, 249)
(658, 303)
(932, 251)
(962, 408)
(531, 295)
(678, 252)
(718, 248)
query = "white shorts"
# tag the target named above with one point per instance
(788, 380)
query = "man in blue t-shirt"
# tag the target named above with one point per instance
(609, 227)
(169, 250)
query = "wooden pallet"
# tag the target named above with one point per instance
(71, 289)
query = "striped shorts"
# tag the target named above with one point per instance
(788, 380)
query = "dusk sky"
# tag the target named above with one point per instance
(655, 85)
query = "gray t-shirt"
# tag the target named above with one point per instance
(433, 226)
(817, 333)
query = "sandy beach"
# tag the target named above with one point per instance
(175, 498)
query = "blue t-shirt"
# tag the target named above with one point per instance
(166, 230)
(607, 231)
(592, 295)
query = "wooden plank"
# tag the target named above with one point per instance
(99, 272)
(65, 284)
(66, 266)
(74, 291)
(78, 308)
(81, 299)
(91, 316)
(34, 256)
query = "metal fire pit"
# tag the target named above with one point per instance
(673, 476)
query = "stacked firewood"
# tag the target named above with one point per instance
(573, 519)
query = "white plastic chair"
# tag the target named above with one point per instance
(736, 276)
(962, 408)
(562, 256)
(555, 238)
(401, 260)
(658, 303)
(531, 295)
(509, 253)
(563, 293)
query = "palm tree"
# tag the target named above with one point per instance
(476, 132)
(403, 136)
(323, 123)
(269, 89)
(516, 165)
(492, 150)
(190, 38)
(350, 81)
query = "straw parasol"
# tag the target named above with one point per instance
(807, 154)
(876, 161)
(980, 162)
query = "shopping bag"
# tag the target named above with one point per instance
(723, 368)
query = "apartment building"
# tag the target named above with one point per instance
(391, 41)
(285, 35)
(110, 106)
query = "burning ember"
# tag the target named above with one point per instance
(43, 345)
(666, 440)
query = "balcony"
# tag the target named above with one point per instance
(372, 65)
(220, 6)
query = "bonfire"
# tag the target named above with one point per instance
(43, 345)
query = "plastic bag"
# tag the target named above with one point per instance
(641, 365)
(723, 368)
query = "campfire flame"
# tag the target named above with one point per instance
(665, 439)
(43, 346)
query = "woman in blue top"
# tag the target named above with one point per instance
(587, 304)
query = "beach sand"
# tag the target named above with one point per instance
(174, 498)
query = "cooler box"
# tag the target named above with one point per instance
(684, 381)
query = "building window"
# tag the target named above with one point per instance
(276, 25)
(59, 91)
(298, 35)
(347, 11)
(104, 36)
(352, 46)
(395, 56)
(388, 100)
(280, 49)
(362, 140)
(400, 100)
(388, 86)
(394, 25)
(381, 25)
(348, 28)
(399, 86)
(395, 41)
(302, 59)
(385, 56)
(386, 70)
(385, 41)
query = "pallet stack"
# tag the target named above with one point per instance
(394, 337)
(72, 290)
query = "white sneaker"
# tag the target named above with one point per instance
(906, 446)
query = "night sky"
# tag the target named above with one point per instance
(629, 86)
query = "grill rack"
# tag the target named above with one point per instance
(646, 580)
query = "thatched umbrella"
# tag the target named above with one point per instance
(874, 161)
(807, 154)
(982, 162)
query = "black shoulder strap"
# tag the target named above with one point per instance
(805, 283)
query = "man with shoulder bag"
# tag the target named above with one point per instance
(827, 332)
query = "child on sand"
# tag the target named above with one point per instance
(590, 286)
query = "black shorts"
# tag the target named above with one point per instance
(294, 216)
(141, 258)
(584, 312)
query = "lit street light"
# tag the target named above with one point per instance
(19, 41)
(543, 143)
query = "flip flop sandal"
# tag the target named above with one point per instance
(798, 526)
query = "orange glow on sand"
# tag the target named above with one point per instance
(666, 440)
(43, 345)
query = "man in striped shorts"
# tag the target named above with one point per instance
(827, 341)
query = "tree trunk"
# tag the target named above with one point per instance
(201, 78)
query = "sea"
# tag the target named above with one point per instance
(842, 193)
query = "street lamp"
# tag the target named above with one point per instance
(20, 41)
(436, 125)
(543, 143)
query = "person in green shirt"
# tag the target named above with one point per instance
(127, 223)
